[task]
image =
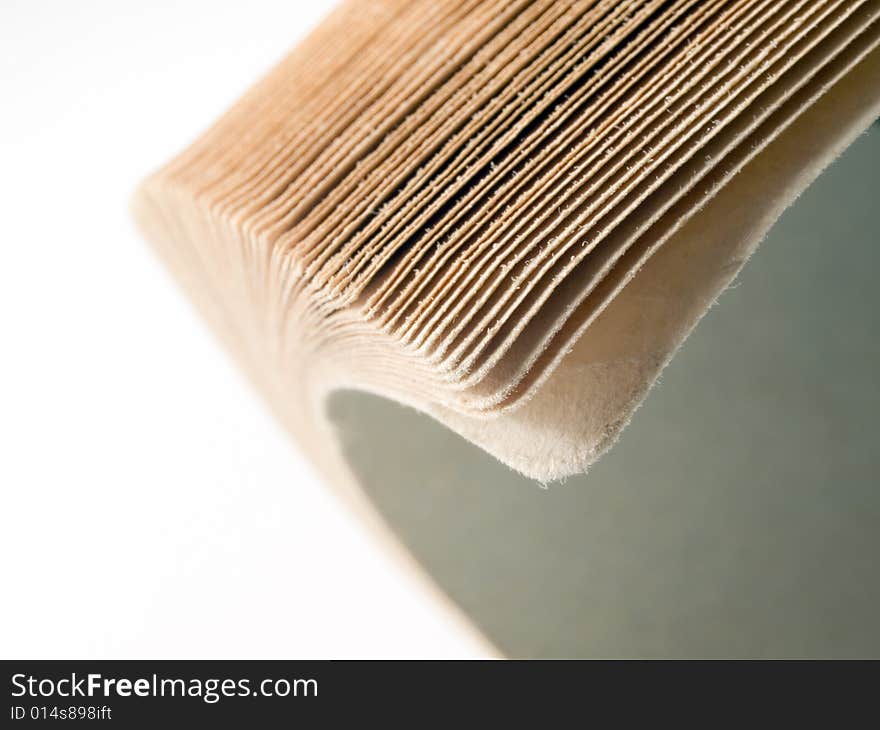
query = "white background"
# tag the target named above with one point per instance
(150, 506)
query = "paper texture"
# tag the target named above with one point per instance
(508, 215)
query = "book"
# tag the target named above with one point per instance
(508, 215)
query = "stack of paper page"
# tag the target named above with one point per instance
(507, 214)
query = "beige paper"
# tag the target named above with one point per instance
(508, 215)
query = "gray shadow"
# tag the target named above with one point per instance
(739, 515)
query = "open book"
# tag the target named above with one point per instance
(507, 215)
